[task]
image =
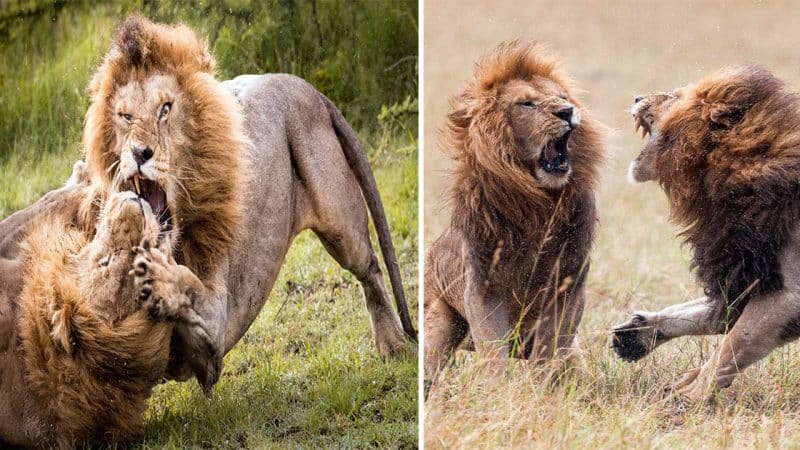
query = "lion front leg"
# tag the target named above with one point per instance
(170, 291)
(645, 331)
(766, 323)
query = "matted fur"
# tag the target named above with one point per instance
(730, 163)
(727, 153)
(210, 165)
(512, 241)
(493, 195)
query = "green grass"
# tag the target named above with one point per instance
(307, 373)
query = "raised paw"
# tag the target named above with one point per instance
(634, 339)
(158, 283)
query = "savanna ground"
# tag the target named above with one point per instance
(615, 50)
(306, 375)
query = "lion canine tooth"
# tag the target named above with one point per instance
(136, 184)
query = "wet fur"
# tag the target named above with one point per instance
(727, 154)
(513, 240)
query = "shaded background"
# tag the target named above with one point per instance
(307, 373)
(362, 54)
(614, 50)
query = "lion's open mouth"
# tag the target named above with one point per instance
(555, 158)
(154, 194)
(641, 124)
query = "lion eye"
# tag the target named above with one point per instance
(164, 110)
(126, 117)
(527, 104)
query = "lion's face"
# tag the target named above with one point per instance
(150, 135)
(647, 113)
(126, 220)
(542, 118)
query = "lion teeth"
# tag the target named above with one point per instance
(136, 184)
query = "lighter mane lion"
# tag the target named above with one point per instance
(197, 157)
(92, 343)
(526, 155)
(726, 151)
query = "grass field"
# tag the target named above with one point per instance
(307, 374)
(615, 50)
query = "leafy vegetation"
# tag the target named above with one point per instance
(307, 373)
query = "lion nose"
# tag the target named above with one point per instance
(564, 114)
(638, 99)
(141, 154)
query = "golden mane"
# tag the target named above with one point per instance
(210, 219)
(493, 193)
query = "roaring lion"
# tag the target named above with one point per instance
(234, 171)
(510, 269)
(727, 153)
(92, 329)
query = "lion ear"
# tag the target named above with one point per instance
(724, 116)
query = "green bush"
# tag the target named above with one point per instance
(360, 53)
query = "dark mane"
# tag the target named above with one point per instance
(731, 170)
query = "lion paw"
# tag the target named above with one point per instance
(157, 282)
(634, 339)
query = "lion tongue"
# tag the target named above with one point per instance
(550, 153)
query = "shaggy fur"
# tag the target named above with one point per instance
(198, 154)
(208, 163)
(727, 154)
(92, 340)
(157, 113)
(516, 249)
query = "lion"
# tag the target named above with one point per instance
(510, 268)
(727, 154)
(92, 329)
(234, 171)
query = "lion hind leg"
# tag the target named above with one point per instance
(350, 246)
(444, 331)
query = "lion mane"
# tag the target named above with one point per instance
(493, 194)
(514, 241)
(211, 167)
(730, 167)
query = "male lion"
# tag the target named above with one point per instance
(234, 171)
(727, 153)
(511, 266)
(90, 336)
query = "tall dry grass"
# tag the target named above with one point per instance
(615, 50)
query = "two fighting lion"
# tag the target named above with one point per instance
(209, 183)
(509, 270)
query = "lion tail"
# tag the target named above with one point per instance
(360, 165)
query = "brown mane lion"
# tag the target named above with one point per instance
(511, 267)
(727, 153)
(90, 340)
(233, 171)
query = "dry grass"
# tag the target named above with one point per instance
(614, 50)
